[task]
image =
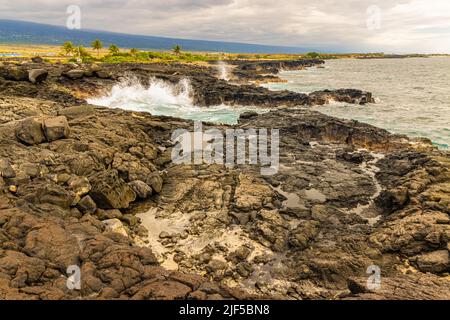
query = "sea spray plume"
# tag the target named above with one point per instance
(131, 94)
(164, 98)
(224, 72)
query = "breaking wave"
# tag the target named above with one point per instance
(130, 94)
(161, 98)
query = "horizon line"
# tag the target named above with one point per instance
(273, 46)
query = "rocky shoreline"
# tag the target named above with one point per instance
(96, 188)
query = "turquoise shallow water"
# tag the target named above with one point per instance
(413, 95)
(165, 99)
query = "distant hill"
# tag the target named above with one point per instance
(12, 31)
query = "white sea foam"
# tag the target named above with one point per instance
(130, 94)
(163, 98)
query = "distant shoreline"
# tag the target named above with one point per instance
(11, 51)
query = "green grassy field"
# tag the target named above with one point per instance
(55, 53)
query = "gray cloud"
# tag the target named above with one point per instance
(405, 25)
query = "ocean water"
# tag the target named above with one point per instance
(412, 95)
(164, 99)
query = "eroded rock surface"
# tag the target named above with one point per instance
(108, 199)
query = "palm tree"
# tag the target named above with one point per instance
(313, 55)
(68, 48)
(82, 52)
(113, 49)
(134, 51)
(97, 45)
(177, 49)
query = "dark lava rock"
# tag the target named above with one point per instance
(248, 115)
(393, 199)
(353, 96)
(16, 74)
(87, 205)
(37, 60)
(299, 248)
(109, 191)
(30, 131)
(6, 170)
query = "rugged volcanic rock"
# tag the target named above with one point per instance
(96, 188)
(266, 71)
(208, 90)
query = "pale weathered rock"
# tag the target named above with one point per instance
(95, 68)
(216, 265)
(76, 112)
(164, 235)
(37, 75)
(115, 225)
(56, 128)
(75, 74)
(301, 236)
(251, 194)
(79, 185)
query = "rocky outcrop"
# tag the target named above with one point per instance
(208, 90)
(35, 253)
(405, 287)
(265, 71)
(37, 130)
(107, 199)
(341, 95)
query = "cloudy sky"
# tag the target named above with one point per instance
(344, 25)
